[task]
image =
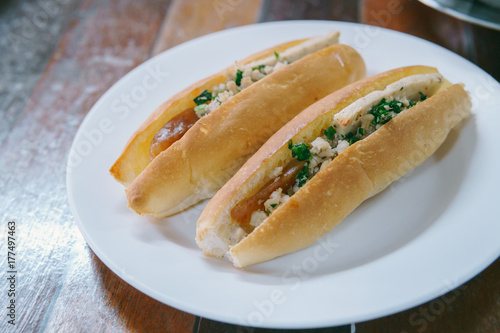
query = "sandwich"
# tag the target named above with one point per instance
(197, 140)
(323, 164)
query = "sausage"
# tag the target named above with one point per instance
(242, 211)
(172, 131)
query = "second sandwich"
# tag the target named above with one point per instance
(228, 127)
(324, 163)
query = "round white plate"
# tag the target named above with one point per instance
(473, 11)
(423, 236)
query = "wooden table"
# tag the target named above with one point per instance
(59, 56)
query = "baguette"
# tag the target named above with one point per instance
(136, 154)
(430, 108)
(212, 150)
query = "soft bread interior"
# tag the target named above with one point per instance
(298, 51)
(269, 161)
(405, 89)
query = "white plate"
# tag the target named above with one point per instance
(425, 235)
(469, 10)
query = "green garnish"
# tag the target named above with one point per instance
(382, 109)
(203, 98)
(411, 103)
(300, 151)
(200, 107)
(422, 97)
(276, 55)
(239, 75)
(329, 133)
(290, 144)
(274, 205)
(351, 138)
(361, 131)
(258, 67)
(396, 106)
(303, 175)
(348, 136)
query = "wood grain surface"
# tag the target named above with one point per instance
(60, 56)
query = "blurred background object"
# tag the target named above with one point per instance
(485, 13)
(491, 3)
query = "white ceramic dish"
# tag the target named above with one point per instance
(485, 13)
(425, 235)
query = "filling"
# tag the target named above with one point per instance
(242, 77)
(354, 123)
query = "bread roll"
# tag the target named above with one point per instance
(211, 152)
(359, 172)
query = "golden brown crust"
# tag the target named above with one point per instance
(199, 164)
(346, 171)
(135, 156)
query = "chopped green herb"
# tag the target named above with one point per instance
(258, 67)
(350, 137)
(200, 107)
(411, 103)
(290, 144)
(422, 97)
(361, 131)
(239, 75)
(276, 55)
(203, 98)
(268, 211)
(382, 109)
(395, 106)
(329, 132)
(274, 205)
(300, 151)
(303, 175)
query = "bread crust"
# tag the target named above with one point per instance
(135, 156)
(211, 152)
(361, 171)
